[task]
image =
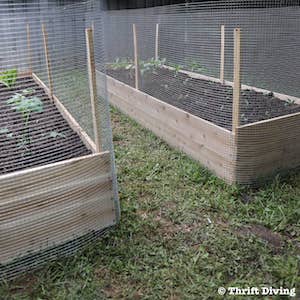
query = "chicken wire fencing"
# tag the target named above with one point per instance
(231, 63)
(58, 188)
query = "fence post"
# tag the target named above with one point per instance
(47, 57)
(236, 81)
(93, 87)
(29, 48)
(157, 42)
(222, 58)
(136, 58)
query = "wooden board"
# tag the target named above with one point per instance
(67, 116)
(268, 147)
(200, 139)
(53, 204)
(280, 96)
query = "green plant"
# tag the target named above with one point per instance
(195, 66)
(122, 63)
(289, 102)
(151, 65)
(177, 69)
(8, 77)
(5, 131)
(26, 104)
(54, 134)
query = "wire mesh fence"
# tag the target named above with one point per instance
(190, 57)
(57, 179)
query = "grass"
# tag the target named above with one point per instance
(183, 233)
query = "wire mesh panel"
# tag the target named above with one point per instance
(228, 63)
(57, 179)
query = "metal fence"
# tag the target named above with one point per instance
(58, 188)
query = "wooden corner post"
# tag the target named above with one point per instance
(29, 48)
(236, 81)
(222, 53)
(93, 87)
(136, 58)
(48, 63)
(157, 42)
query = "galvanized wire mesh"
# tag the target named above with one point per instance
(179, 61)
(57, 192)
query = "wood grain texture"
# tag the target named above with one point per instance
(29, 55)
(200, 139)
(67, 116)
(157, 42)
(268, 147)
(93, 88)
(236, 81)
(136, 56)
(222, 54)
(47, 58)
(53, 204)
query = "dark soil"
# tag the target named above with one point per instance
(40, 148)
(206, 99)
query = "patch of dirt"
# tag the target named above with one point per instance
(48, 136)
(264, 233)
(24, 285)
(206, 99)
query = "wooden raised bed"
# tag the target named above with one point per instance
(252, 152)
(48, 206)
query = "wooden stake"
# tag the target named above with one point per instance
(136, 58)
(93, 87)
(157, 42)
(29, 49)
(47, 57)
(236, 81)
(222, 59)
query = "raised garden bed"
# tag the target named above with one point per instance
(54, 189)
(207, 99)
(197, 119)
(46, 138)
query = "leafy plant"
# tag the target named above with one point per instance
(145, 66)
(151, 65)
(122, 63)
(8, 77)
(289, 102)
(195, 66)
(54, 134)
(26, 105)
(5, 130)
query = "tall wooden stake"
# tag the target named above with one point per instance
(236, 81)
(47, 57)
(222, 58)
(93, 87)
(29, 49)
(157, 42)
(136, 58)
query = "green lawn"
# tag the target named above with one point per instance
(183, 233)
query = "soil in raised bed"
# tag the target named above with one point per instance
(50, 137)
(208, 100)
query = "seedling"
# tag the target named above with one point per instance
(8, 77)
(195, 66)
(177, 69)
(26, 105)
(151, 65)
(122, 63)
(289, 102)
(54, 134)
(5, 131)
